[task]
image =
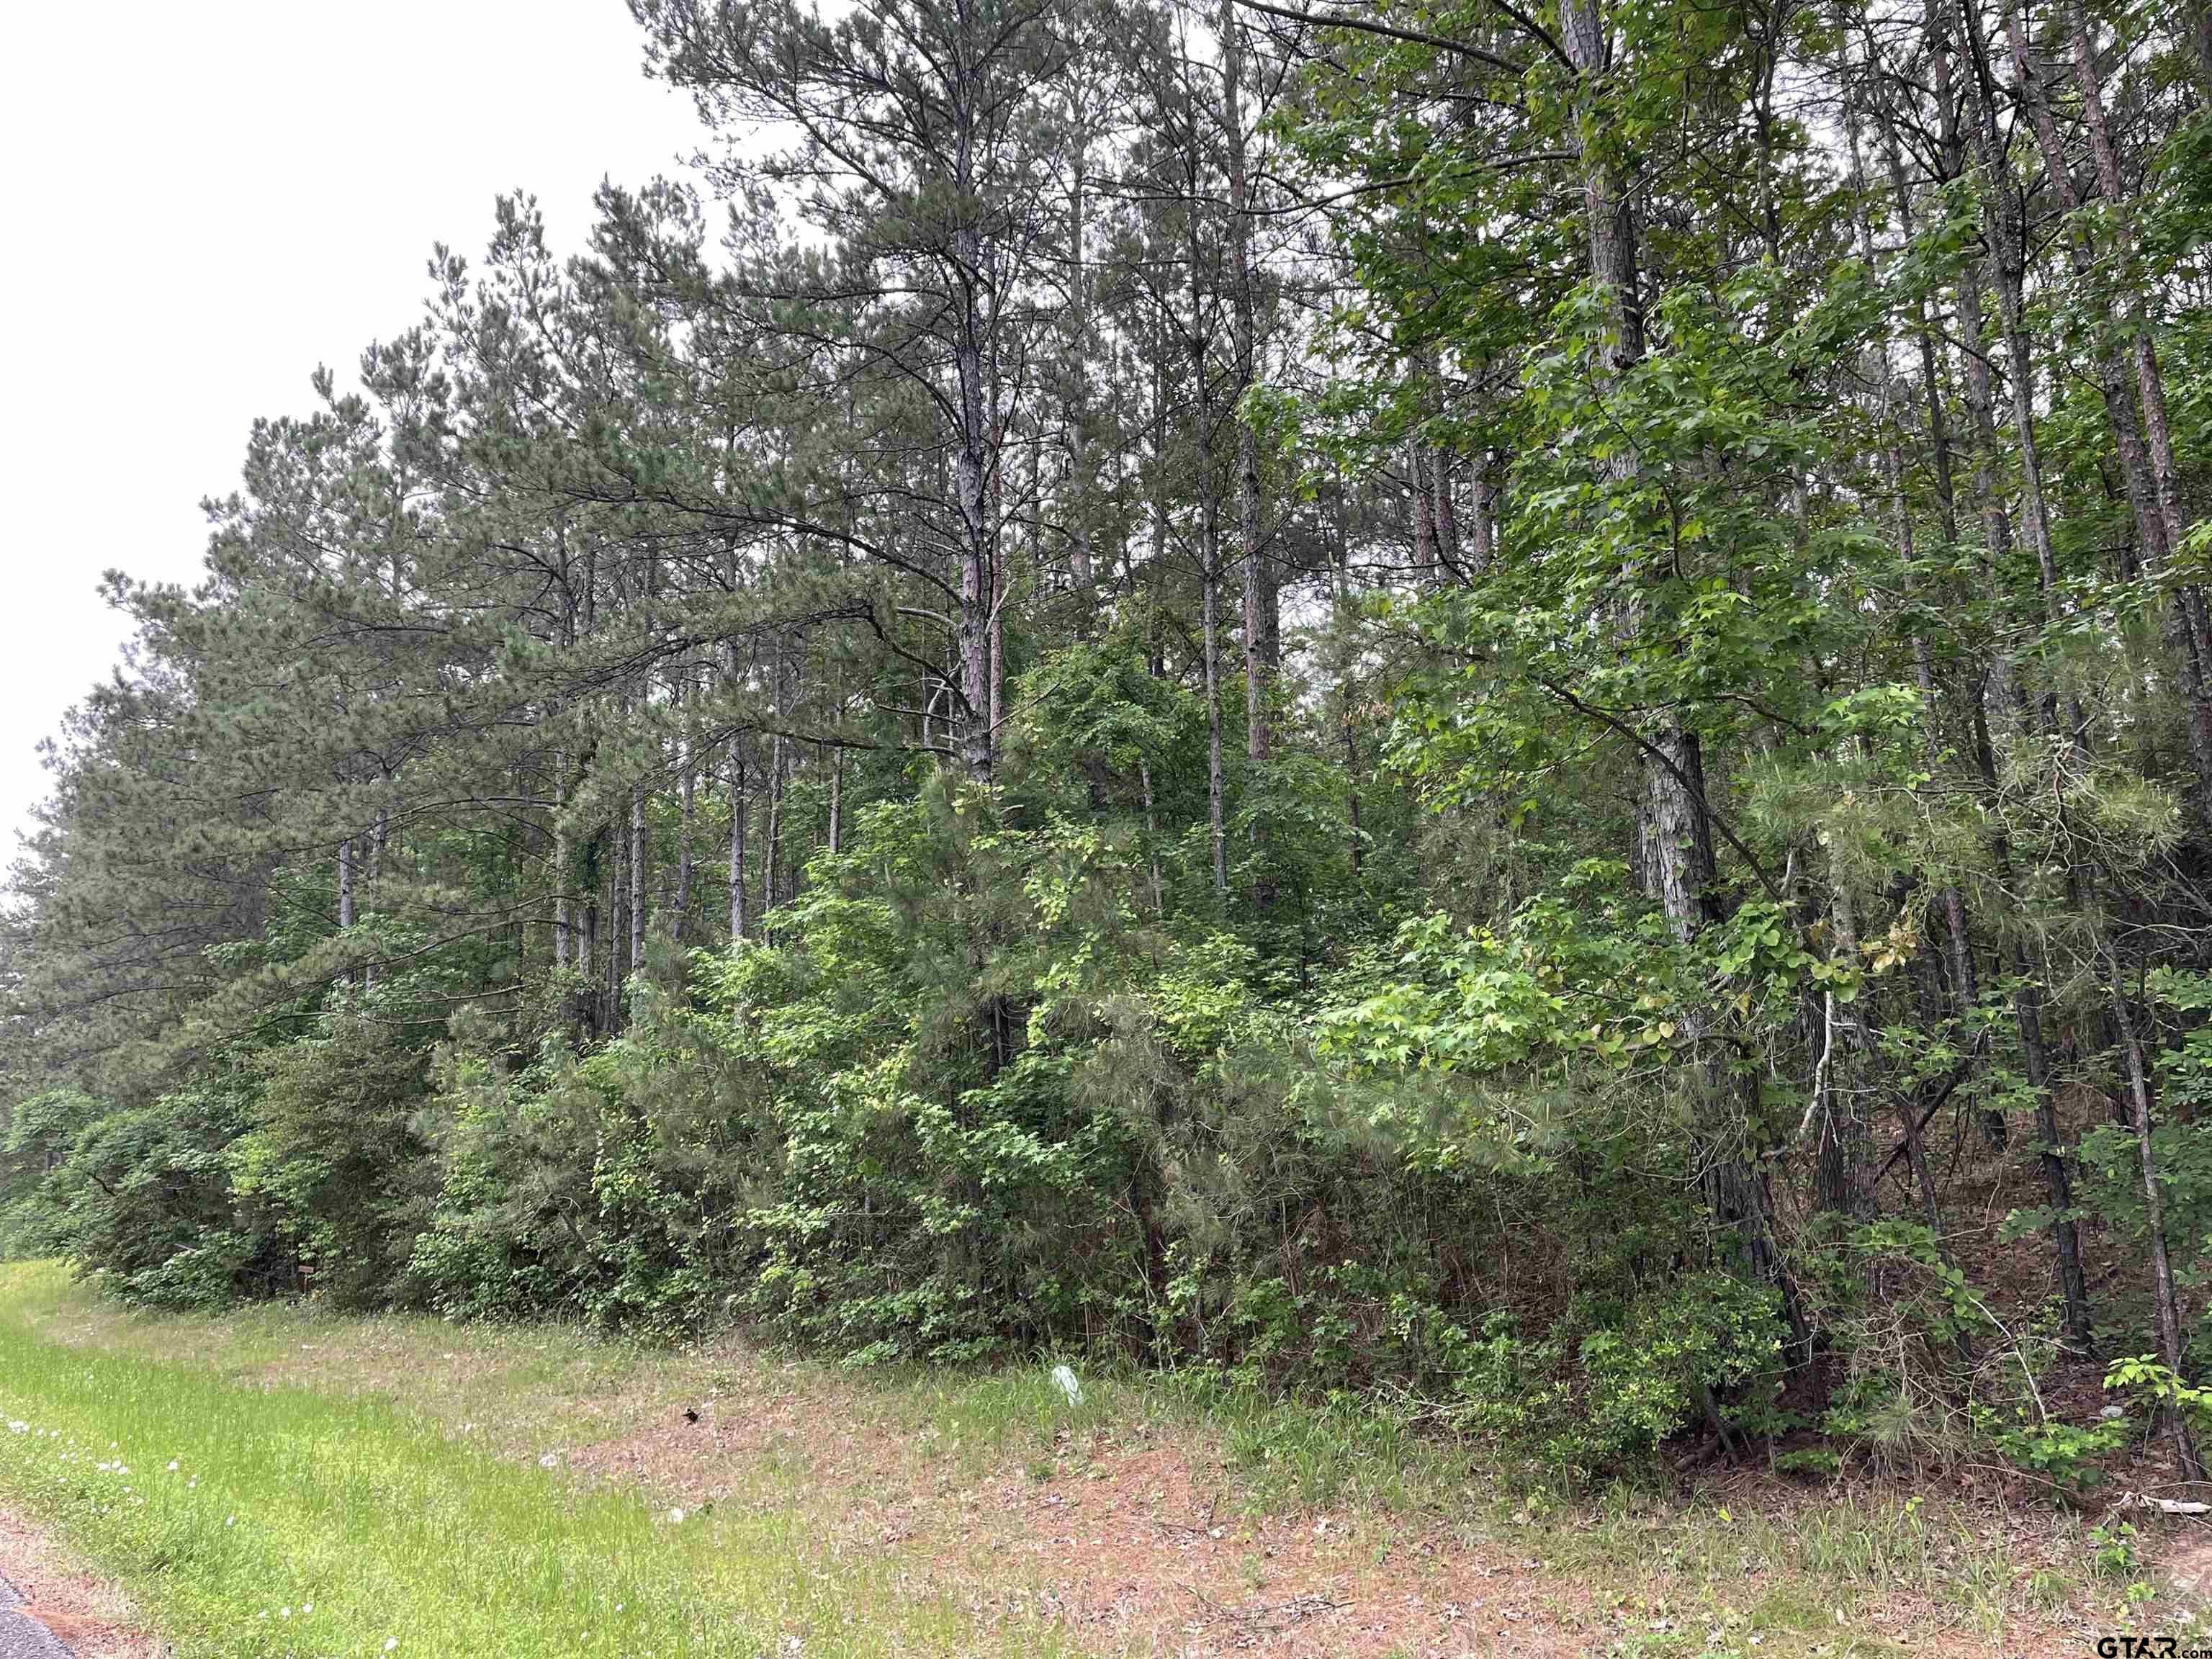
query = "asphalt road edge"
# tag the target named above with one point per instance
(21, 1635)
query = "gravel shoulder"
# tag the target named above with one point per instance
(51, 1608)
(22, 1634)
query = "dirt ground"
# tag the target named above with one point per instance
(1129, 1538)
(87, 1613)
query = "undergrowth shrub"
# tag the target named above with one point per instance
(333, 1165)
(972, 1099)
(143, 1199)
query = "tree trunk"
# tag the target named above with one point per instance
(2003, 685)
(976, 573)
(372, 879)
(1840, 1083)
(737, 810)
(345, 893)
(639, 868)
(1244, 308)
(1347, 709)
(2192, 628)
(1082, 568)
(2008, 267)
(1209, 555)
(1424, 513)
(1957, 942)
(2165, 1299)
(610, 992)
(564, 907)
(1482, 518)
(589, 996)
(1211, 645)
(771, 829)
(687, 785)
(2154, 499)
(1676, 833)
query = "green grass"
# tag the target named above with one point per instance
(287, 1521)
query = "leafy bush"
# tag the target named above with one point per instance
(35, 1137)
(143, 1199)
(1712, 1337)
(334, 1164)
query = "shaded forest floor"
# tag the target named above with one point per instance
(1151, 1518)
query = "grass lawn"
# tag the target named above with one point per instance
(280, 1480)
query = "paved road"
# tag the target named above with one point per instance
(23, 1637)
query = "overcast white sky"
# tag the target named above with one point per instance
(205, 201)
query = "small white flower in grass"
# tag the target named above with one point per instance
(15, 1427)
(551, 1461)
(283, 1613)
(391, 1643)
(306, 1607)
(675, 1517)
(229, 1520)
(173, 1465)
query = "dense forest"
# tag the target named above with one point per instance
(1503, 709)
